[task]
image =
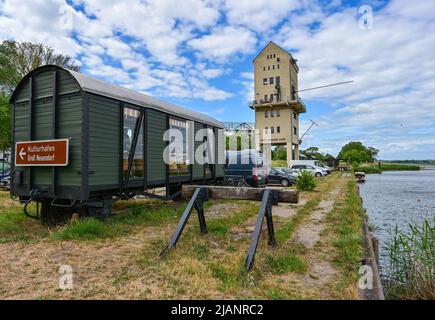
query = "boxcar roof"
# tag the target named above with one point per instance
(93, 85)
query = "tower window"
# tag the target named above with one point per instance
(266, 129)
(264, 68)
(272, 113)
(266, 114)
(270, 80)
(272, 130)
(295, 130)
(278, 80)
(274, 55)
(278, 114)
(278, 129)
(271, 97)
(268, 68)
(265, 98)
(273, 67)
(277, 66)
(264, 81)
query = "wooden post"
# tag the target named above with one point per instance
(235, 193)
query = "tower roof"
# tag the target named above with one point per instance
(271, 43)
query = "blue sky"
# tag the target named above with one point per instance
(199, 54)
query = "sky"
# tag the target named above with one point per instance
(198, 54)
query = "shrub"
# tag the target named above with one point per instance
(306, 181)
(367, 169)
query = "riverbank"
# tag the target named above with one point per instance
(384, 166)
(400, 205)
(319, 251)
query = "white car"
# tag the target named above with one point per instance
(315, 171)
(314, 163)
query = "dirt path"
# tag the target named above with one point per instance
(319, 249)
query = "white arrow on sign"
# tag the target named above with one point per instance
(22, 153)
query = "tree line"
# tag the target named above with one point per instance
(16, 60)
(353, 153)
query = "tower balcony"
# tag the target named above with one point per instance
(297, 103)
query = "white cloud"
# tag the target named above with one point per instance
(185, 49)
(259, 15)
(224, 43)
(393, 67)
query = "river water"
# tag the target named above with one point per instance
(398, 198)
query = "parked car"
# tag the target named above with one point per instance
(287, 170)
(248, 165)
(280, 177)
(5, 182)
(5, 169)
(315, 171)
(313, 163)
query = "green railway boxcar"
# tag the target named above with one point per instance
(116, 143)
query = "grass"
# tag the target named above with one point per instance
(279, 163)
(411, 274)
(89, 229)
(202, 266)
(152, 213)
(368, 169)
(282, 264)
(285, 231)
(376, 168)
(346, 220)
(399, 166)
(14, 225)
(222, 226)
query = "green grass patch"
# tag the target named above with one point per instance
(200, 250)
(286, 230)
(399, 166)
(275, 294)
(279, 163)
(376, 168)
(228, 278)
(16, 226)
(347, 219)
(89, 229)
(282, 264)
(368, 169)
(155, 214)
(222, 226)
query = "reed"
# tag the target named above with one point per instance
(411, 273)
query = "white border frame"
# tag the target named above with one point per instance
(42, 165)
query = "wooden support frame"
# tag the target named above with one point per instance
(197, 201)
(269, 197)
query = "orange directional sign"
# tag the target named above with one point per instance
(47, 153)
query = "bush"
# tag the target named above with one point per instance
(367, 169)
(306, 181)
